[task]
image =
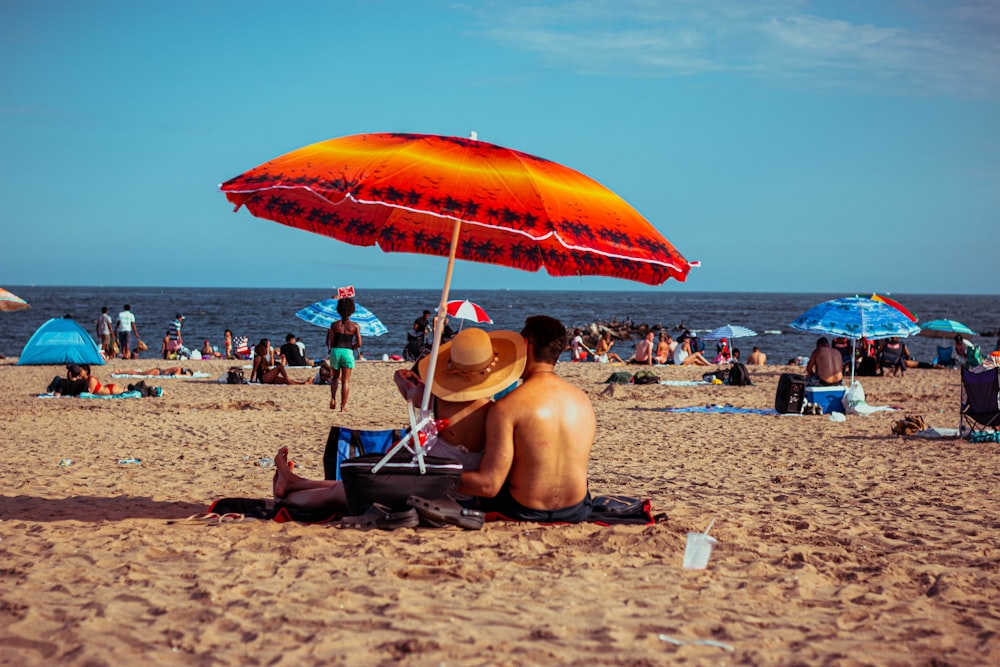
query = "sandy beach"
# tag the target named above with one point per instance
(839, 543)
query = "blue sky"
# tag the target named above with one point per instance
(788, 145)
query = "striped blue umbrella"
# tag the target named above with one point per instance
(324, 313)
(729, 332)
(945, 329)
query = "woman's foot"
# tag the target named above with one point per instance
(333, 404)
(283, 475)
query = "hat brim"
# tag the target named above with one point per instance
(511, 357)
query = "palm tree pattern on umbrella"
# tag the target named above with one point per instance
(403, 192)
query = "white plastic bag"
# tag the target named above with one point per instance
(853, 397)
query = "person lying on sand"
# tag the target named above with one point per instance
(74, 384)
(95, 387)
(173, 370)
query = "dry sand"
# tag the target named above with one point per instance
(839, 543)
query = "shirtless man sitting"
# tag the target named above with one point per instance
(825, 366)
(757, 358)
(538, 440)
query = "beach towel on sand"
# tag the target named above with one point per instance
(607, 511)
(127, 394)
(722, 410)
(197, 374)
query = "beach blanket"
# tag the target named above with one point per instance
(127, 394)
(608, 511)
(722, 410)
(935, 432)
(864, 409)
(197, 374)
(684, 383)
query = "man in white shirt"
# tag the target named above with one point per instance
(124, 328)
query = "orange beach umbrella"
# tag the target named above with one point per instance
(459, 198)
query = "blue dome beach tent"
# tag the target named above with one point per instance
(60, 341)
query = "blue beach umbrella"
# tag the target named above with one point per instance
(729, 332)
(856, 317)
(324, 313)
(945, 329)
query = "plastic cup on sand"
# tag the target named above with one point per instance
(699, 549)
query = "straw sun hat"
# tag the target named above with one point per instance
(476, 364)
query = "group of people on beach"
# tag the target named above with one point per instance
(524, 454)
(684, 351)
(79, 379)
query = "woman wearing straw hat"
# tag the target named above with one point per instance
(471, 369)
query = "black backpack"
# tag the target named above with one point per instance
(645, 377)
(235, 376)
(739, 376)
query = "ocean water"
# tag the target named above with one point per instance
(270, 313)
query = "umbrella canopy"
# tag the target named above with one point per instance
(945, 329)
(324, 313)
(730, 331)
(461, 198)
(856, 317)
(466, 310)
(895, 304)
(405, 191)
(10, 302)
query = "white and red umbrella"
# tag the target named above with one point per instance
(11, 302)
(466, 310)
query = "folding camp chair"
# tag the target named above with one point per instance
(980, 401)
(946, 356)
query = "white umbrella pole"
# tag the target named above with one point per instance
(854, 356)
(442, 312)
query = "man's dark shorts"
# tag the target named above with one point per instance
(503, 503)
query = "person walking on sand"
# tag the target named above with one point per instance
(124, 328)
(343, 338)
(104, 325)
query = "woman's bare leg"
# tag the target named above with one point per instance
(345, 387)
(286, 482)
(297, 491)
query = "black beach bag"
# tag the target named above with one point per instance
(397, 480)
(791, 393)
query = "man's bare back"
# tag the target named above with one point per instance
(826, 364)
(538, 442)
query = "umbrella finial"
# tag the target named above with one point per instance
(474, 135)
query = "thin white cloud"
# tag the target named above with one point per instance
(919, 48)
